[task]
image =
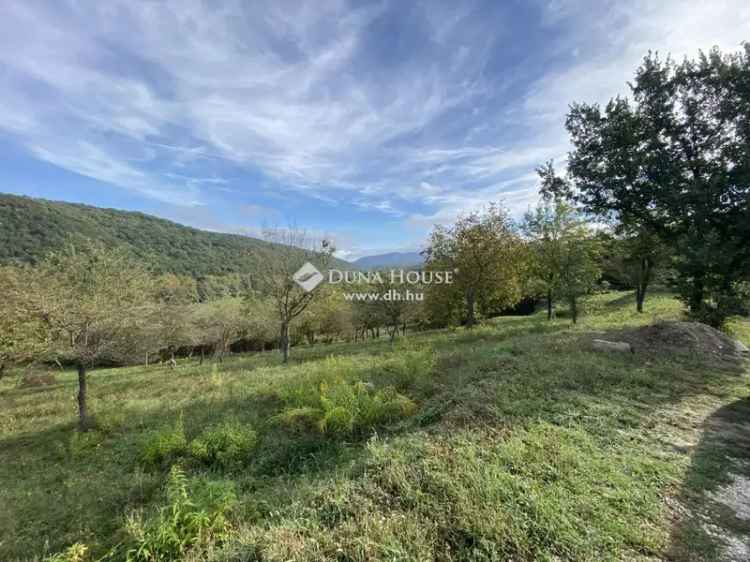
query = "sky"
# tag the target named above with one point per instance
(368, 122)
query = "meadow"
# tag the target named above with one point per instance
(510, 441)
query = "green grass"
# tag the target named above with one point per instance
(519, 443)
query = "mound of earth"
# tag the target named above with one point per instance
(691, 337)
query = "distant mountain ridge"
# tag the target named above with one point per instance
(31, 228)
(391, 259)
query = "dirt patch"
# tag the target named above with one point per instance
(736, 496)
(689, 337)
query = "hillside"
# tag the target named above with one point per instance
(31, 228)
(512, 441)
(393, 259)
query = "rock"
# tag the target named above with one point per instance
(740, 347)
(604, 345)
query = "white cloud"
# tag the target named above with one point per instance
(141, 94)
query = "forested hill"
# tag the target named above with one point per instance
(31, 228)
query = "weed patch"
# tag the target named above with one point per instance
(194, 517)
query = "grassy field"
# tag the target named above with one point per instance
(512, 441)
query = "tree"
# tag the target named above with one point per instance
(293, 248)
(642, 255)
(578, 264)
(563, 252)
(220, 323)
(487, 256)
(545, 227)
(21, 337)
(329, 315)
(92, 303)
(172, 324)
(676, 161)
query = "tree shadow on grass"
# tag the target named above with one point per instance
(714, 499)
(64, 486)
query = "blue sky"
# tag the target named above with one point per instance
(366, 121)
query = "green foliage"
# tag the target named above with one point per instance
(93, 303)
(675, 162)
(487, 258)
(164, 446)
(225, 445)
(564, 252)
(21, 334)
(194, 517)
(525, 443)
(410, 366)
(76, 552)
(32, 228)
(341, 407)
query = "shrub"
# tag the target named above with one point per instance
(164, 446)
(344, 408)
(194, 517)
(410, 366)
(225, 445)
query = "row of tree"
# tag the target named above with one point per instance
(89, 305)
(665, 179)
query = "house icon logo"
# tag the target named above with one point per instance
(308, 277)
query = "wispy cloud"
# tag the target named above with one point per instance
(410, 112)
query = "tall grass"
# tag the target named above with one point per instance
(510, 441)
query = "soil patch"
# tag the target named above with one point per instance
(689, 337)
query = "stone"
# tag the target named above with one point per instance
(619, 346)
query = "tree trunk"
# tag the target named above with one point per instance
(549, 304)
(203, 355)
(392, 332)
(644, 276)
(696, 296)
(471, 319)
(284, 342)
(574, 308)
(83, 421)
(2, 370)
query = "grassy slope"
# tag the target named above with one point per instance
(525, 446)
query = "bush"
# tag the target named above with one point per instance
(164, 446)
(194, 517)
(409, 366)
(345, 408)
(226, 445)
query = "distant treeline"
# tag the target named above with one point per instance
(221, 264)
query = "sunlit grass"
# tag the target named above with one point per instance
(523, 444)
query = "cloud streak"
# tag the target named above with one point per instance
(412, 112)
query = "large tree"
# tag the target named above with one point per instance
(675, 160)
(93, 304)
(487, 257)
